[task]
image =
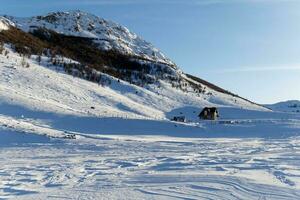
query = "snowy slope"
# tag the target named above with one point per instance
(107, 34)
(77, 23)
(286, 106)
(45, 100)
(45, 88)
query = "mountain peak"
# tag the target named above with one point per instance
(75, 14)
(106, 34)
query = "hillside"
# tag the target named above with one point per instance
(66, 34)
(286, 106)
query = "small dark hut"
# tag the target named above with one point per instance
(209, 113)
(179, 119)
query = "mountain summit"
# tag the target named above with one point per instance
(108, 35)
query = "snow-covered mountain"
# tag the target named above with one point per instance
(133, 79)
(107, 34)
(286, 106)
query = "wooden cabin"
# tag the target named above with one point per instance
(209, 113)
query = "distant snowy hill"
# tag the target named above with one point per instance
(286, 106)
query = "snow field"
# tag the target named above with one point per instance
(126, 147)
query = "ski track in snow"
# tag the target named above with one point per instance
(115, 168)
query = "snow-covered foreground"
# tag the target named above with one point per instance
(255, 156)
(36, 167)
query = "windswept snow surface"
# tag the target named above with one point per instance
(126, 147)
(164, 168)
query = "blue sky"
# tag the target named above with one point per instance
(250, 47)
